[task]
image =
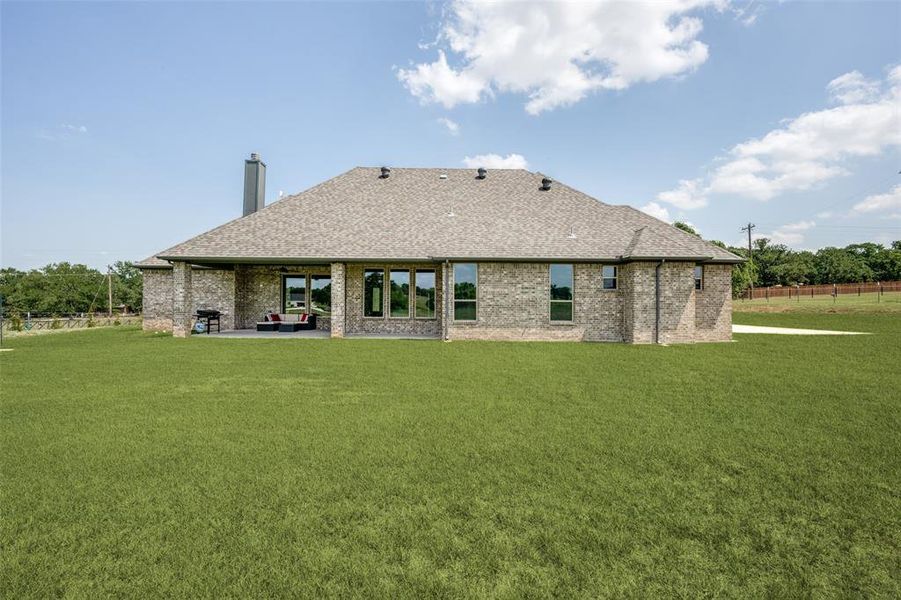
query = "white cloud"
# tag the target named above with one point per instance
(807, 150)
(687, 196)
(452, 126)
(64, 131)
(496, 161)
(656, 211)
(880, 202)
(791, 234)
(853, 88)
(557, 52)
(826, 214)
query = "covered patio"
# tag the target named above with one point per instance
(248, 334)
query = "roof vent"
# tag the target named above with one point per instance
(442, 176)
(482, 173)
(546, 183)
(385, 173)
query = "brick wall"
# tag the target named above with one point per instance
(157, 299)
(182, 300)
(355, 322)
(215, 290)
(713, 305)
(514, 304)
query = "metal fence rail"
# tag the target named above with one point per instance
(834, 289)
(27, 322)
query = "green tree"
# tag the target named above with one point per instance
(686, 228)
(838, 265)
(128, 285)
(796, 268)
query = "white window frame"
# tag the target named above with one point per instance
(415, 283)
(698, 281)
(571, 301)
(410, 293)
(385, 307)
(454, 294)
(615, 278)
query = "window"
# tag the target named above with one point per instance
(425, 294)
(321, 295)
(373, 293)
(294, 294)
(608, 276)
(561, 292)
(466, 276)
(399, 300)
(699, 277)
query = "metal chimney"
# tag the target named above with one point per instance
(254, 184)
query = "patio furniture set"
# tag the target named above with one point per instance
(287, 323)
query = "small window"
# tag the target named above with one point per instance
(425, 294)
(466, 281)
(400, 294)
(608, 275)
(373, 293)
(699, 277)
(561, 292)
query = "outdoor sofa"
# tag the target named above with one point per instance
(287, 323)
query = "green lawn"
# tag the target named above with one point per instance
(141, 465)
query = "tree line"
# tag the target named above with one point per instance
(66, 289)
(777, 264)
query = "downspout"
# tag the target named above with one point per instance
(446, 278)
(657, 301)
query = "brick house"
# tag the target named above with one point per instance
(451, 254)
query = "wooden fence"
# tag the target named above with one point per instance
(810, 291)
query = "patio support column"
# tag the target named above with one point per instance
(338, 299)
(182, 299)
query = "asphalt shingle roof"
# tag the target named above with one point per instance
(415, 214)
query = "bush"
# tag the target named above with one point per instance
(15, 321)
(56, 323)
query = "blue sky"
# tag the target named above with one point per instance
(125, 125)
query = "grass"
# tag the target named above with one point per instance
(889, 302)
(142, 465)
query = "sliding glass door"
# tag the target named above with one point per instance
(294, 294)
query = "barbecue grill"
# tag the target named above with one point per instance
(209, 317)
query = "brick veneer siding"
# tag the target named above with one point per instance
(157, 301)
(513, 301)
(182, 301)
(215, 289)
(686, 315)
(514, 304)
(209, 289)
(713, 305)
(355, 322)
(339, 310)
(637, 285)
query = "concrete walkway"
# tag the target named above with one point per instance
(790, 330)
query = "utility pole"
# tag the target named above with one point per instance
(749, 229)
(109, 289)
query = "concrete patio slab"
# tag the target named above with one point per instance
(790, 330)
